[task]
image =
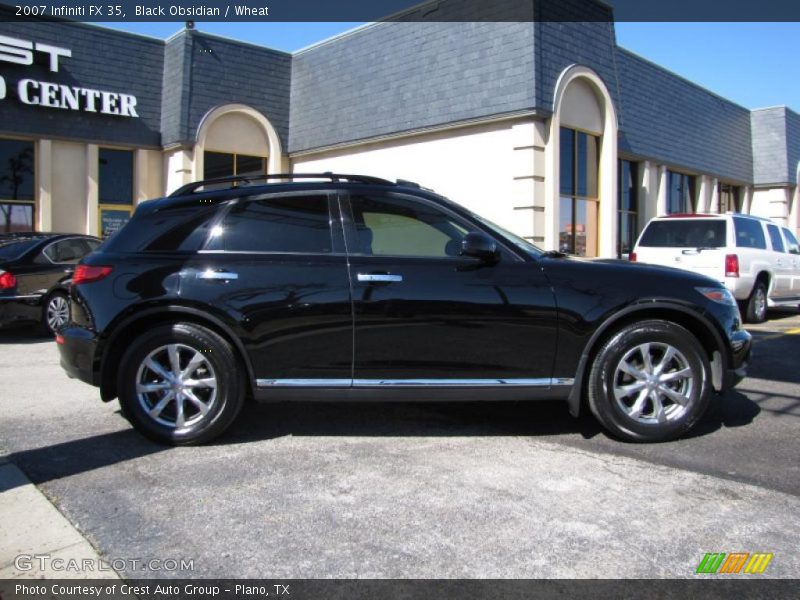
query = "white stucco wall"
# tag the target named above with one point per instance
(474, 166)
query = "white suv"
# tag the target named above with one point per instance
(756, 259)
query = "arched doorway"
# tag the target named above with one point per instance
(581, 157)
(236, 139)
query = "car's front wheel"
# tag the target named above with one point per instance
(180, 384)
(650, 382)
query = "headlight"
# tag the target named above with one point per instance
(721, 295)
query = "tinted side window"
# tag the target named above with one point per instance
(775, 238)
(685, 233)
(66, 251)
(749, 234)
(280, 224)
(791, 242)
(181, 228)
(387, 226)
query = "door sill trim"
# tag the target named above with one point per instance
(422, 383)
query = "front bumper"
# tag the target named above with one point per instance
(741, 350)
(78, 348)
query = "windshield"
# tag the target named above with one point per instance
(519, 242)
(685, 233)
(16, 247)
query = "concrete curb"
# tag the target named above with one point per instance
(36, 540)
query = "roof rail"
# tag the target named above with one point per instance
(191, 188)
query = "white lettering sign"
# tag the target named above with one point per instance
(56, 95)
(20, 52)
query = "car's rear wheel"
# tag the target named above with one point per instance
(757, 304)
(55, 312)
(650, 382)
(180, 384)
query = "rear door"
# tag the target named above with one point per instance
(423, 315)
(793, 248)
(275, 270)
(782, 286)
(693, 244)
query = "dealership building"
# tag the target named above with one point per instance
(548, 128)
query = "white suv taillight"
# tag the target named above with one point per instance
(731, 265)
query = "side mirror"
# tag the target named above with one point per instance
(481, 246)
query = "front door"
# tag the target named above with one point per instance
(424, 314)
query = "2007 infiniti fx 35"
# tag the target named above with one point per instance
(349, 287)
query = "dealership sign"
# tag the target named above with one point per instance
(34, 92)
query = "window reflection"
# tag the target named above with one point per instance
(578, 223)
(16, 186)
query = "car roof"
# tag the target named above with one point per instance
(713, 216)
(192, 198)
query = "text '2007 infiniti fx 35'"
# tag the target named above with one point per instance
(350, 287)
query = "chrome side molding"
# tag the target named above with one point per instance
(383, 383)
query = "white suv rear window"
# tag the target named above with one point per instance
(685, 233)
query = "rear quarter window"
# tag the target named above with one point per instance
(172, 229)
(685, 233)
(775, 238)
(749, 234)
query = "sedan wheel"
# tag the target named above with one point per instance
(650, 381)
(56, 312)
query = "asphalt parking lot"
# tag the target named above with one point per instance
(419, 490)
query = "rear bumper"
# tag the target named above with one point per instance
(18, 309)
(78, 347)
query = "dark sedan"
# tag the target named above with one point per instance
(35, 273)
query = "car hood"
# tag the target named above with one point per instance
(625, 281)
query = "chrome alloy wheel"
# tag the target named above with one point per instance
(176, 385)
(653, 383)
(57, 312)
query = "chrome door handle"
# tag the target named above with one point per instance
(380, 277)
(217, 275)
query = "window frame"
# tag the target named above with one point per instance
(334, 221)
(790, 241)
(771, 227)
(758, 224)
(692, 208)
(46, 247)
(624, 212)
(235, 156)
(348, 225)
(34, 201)
(574, 195)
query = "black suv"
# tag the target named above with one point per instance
(347, 287)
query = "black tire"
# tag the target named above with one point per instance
(215, 361)
(757, 304)
(53, 315)
(689, 361)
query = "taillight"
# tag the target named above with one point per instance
(731, 265)
(632, 257)
(7, 280)
(89, 273)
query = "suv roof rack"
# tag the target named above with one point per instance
(191, 188)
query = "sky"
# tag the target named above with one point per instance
(752, 64)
